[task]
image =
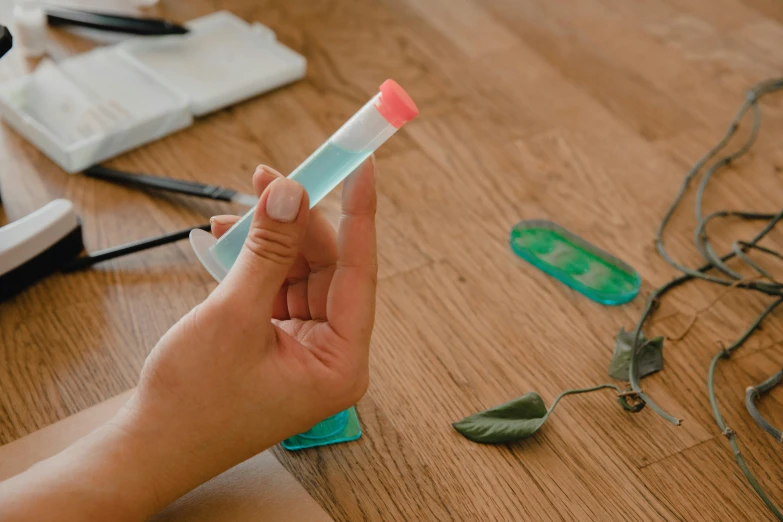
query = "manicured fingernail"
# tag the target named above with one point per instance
(284, 200)
(271, 171)
(220, 220)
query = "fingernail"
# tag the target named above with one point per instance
(220, 220)
(284, 200)
(271, 171)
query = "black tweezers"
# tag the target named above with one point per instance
(113, 22)
(191, 188)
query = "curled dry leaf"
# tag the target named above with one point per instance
(650, 356)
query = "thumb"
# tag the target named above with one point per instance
(272, 245)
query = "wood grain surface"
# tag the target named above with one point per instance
(585, 112)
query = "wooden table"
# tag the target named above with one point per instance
(585, 112)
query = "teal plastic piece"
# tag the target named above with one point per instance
(343, 427)
(575, 262)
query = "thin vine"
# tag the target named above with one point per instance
(710, 164)
(752, 394)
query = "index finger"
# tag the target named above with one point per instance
(350, 307)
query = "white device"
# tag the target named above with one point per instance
(38, 244)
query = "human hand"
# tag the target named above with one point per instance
(282, 342)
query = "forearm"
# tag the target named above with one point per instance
(126, 470)
(94, 479)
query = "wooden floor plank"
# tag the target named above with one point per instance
(683, 481)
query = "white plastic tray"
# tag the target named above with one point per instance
(91, 108)
(222, 61)
(99, 104)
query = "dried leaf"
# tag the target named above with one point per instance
(514, 420)
(650, 356)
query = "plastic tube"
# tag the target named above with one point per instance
(345, 150)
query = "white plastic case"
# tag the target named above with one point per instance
(97, 105)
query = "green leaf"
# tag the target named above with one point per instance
(522, 417)
(650, 356)
(514, 420)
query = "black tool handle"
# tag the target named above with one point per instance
(6, 40)
(191, 188)
(112, 22)
(81, 263)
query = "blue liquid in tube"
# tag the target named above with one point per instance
(319, 175)
(323, 171)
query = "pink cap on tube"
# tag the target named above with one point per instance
(395, 105)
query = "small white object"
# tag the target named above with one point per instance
(30, 27)
(97, 105)
(27, 237)
(202, 243)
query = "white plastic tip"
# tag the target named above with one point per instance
(202, 241)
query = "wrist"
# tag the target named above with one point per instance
(96, 478)
(174, 445)
(167, 451)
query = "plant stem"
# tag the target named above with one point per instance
(728, 432)
(730, 277)
(580, 390)
(713, 261)
(633, 370)
(740, 246)
(753, 393)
